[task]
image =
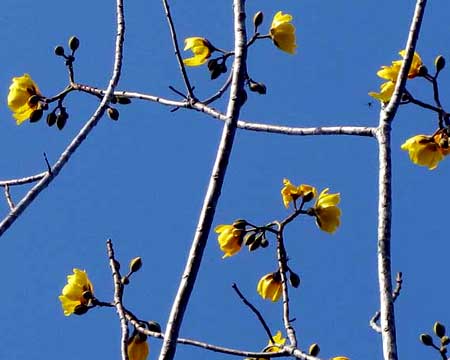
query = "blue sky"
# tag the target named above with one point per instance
(141, 180)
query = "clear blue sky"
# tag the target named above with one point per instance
(141, 180)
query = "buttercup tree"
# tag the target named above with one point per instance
(250, 182)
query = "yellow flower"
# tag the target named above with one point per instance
(277, 344)
(230, 239)
(269, 286)
(137, 347)
(282, 32)
(290, 193)
(201, 48)
(390, 73)
(427, 150)
(326, 212)
(77, 293)
(340, 358)
(21, 90)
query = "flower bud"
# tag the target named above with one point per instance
(113, 113)
(33, 100)
(240, 224)
(123, 100)
(125, 280)
(61, 119)
(314, 349)
(154, 326)
(80, 309)
(439, 329)
(258, 19)
(59, 50)
(249, 238)
(264, 242)
(87, 295)
(256, 243)
(51, 119)
(423, 70)
(426, 339)
(294, 279)
(257, 87)
(36, 115)
(439, 63)
(135, 264)
(74, 43)
(445, 340)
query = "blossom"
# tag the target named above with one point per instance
(276, 344)
(230, 238)
(137, 348)
(290, 193)
(326, 212)
(77, 293)
(427, 150)
(21, 91)
(201, 48)
(270, 287)
(340, 358)
(282, 32)
(390, 73)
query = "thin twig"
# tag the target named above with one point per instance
(177, 50)
(220, 92)
(214, 188)
(81, 136)
(8, 197)
(118, 293)
(255, 310)
(23, 181)
(398, 287)
(387, 317)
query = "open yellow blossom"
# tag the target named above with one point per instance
(290, 193)
(276, 344)
(282, 32)
(230, 239)
(137, 348)
(427, 150)
(340, 358)
(21, 90)
(201, 48)
(390, 73)
(77, 293)
(270, 287)
(326, 211)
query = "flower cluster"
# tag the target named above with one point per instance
(425, 150)
(390, 73)
(77, 293)
(24, 98)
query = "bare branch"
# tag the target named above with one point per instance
(81, 136)
(8, 197)
(214, 188)
(387, 318)
(118, 293)
(22, 181)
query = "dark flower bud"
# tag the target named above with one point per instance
(258, 19)
(256, 243)
(33, 100)
(123, 100)
(125, 280)
(445, 340)
(314, 349)
(240, 224)
(74, 43)
(212, 64)
(51, 119)
(264, 242)
(423, 70)
(426, 339)
(257, 87)
(439, 63)
(113, 113)
(439, 329)
(135, 264)
(249, 238)
(61, 119)
(59, 50)
(294, 279)
(80, 309)
(36, 115)
(154, 326)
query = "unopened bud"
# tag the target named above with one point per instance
(308, 196)
(314, 349)
(74, 43)
(61, 119)
(135, 264)
(439, 329)
(249, 238)
(36, 115)
(439, 63)
(294, 279)
(51, 119)
(123, 100)
(445, 340)
(264, 242)
(80, 309)
(87, 295)
(258, 19)
(257, 87)
(423, 70)
(59, 50)
(113, 113)
(154, 326)
(33, 100)
(426, 339)
(125, 280)
(240, 224)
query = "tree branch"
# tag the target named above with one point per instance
(81, 136)
(214, 188)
